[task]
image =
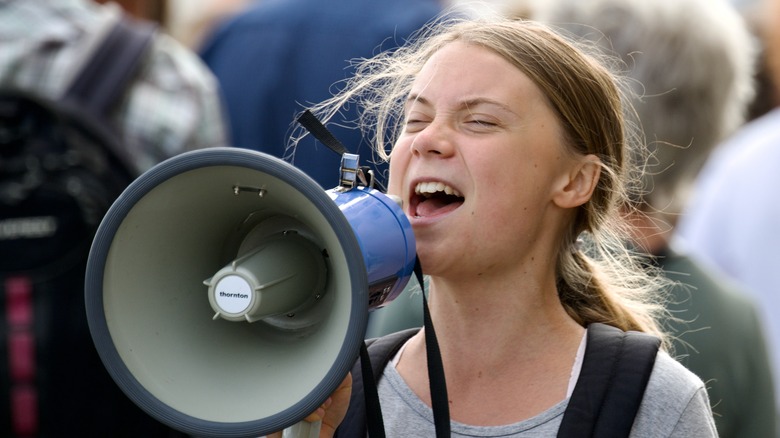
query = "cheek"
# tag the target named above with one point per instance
(399, 162)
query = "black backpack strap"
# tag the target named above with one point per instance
(380, 351)
(615, 371)
(103, 79)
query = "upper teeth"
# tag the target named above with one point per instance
(427, 188)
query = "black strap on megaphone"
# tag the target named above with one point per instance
(310, 122)
(320, 132)
(437, 382)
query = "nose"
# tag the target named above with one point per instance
(436, 139)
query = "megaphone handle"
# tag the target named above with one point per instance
(303, 429)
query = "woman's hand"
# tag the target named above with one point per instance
(332, 411)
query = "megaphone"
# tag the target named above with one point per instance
(227, 293)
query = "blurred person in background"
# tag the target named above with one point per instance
(731, 222)
(171, 106)
(174, 105)
(277, 57)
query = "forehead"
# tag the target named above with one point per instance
(465, 59)
(460, 72)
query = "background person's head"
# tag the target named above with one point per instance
(690, 64)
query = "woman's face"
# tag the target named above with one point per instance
(479, 164)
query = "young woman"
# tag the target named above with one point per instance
(509, 151)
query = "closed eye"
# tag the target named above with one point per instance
(415, 124)
(481, 125)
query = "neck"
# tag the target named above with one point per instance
(492, 320)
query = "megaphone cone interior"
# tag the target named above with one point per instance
(211, 215)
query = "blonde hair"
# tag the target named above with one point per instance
(599, 278)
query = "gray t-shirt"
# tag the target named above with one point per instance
(675, 405)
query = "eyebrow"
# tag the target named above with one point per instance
(465, 104)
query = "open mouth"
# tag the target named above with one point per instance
(433, 199)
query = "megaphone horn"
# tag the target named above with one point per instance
(227, 293)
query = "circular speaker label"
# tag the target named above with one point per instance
(233, 294)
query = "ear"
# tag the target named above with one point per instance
(578, 184)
